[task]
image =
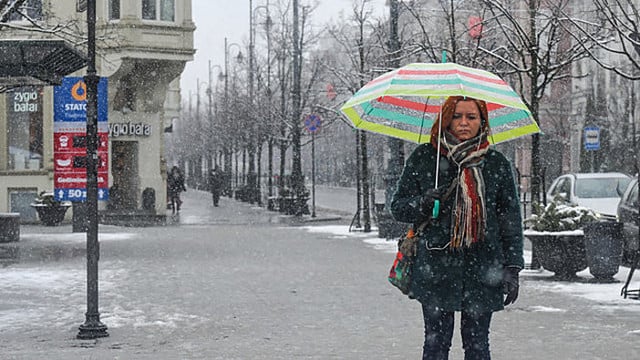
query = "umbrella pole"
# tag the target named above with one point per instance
(436, 204)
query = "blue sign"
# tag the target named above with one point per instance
(79, 195)
(70, 100)
(312, 123)
(591, 138)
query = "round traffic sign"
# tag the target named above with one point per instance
(312, 123)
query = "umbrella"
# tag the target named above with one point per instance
(405, 102)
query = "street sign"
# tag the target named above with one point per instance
(591, 138)
(312, 123)
(70, 140)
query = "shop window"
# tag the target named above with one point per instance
(24, 128)
(30, 8)
(163, 10)
(20, 201)
(114, 9)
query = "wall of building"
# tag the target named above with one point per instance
(143, 60)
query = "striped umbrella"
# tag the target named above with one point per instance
(405, 102)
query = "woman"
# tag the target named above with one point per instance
(471, 253)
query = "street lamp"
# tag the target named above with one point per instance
(92, 328)
(253, 178)
(228, 146)
(268, 23)
(210, 110)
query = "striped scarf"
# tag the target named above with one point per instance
(468, 218)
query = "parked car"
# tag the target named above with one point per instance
(600, 192)
(628, 216)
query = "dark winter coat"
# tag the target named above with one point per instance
(468, 279)
(215, 182)
(175, 183)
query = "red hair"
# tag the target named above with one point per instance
(447, 110)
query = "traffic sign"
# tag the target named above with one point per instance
(591, 138)
(312, 123)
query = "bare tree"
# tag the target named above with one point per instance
(617, 51)
(531, 47)
(362, 54)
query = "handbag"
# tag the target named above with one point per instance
(402, 267)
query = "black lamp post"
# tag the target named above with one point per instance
(92, 327)
(228, 146)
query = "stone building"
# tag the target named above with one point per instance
(142, 49)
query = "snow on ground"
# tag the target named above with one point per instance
(55, 293)
(79, 237)
(607, 296)
(66, 284)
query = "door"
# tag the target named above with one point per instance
(124, 169)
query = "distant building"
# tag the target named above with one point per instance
(142, 48)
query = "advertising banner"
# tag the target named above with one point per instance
(70, 140)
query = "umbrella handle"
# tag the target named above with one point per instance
(436, 209)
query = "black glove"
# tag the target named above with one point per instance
(511, 284)
(426, 203)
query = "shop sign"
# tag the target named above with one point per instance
(129, 129)
(70, 140)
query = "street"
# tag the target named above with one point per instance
(240, 282)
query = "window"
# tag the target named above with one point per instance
(166, 10)
(114, 9)
(24, 116)
(632, 200)
(30, 8)
(600, 187)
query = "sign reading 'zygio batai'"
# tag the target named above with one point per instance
(70, 140)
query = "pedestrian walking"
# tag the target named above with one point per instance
(469, 253)
(175, 185)
(216, 181)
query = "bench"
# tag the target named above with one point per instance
(9, 227)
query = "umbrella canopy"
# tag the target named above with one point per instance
(405, 102)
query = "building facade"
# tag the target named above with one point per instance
(142, 48)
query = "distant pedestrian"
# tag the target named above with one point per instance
(216, 182)
(469, 256)
(175, 184)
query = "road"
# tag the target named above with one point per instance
(240, 282)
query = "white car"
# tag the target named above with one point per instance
(600, 192)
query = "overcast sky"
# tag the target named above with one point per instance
(217, 19)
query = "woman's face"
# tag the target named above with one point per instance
(466, 120)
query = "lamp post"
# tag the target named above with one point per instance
(92, 327)
(210, 112)
(268, 24)
(254, 179)
(228, 150)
